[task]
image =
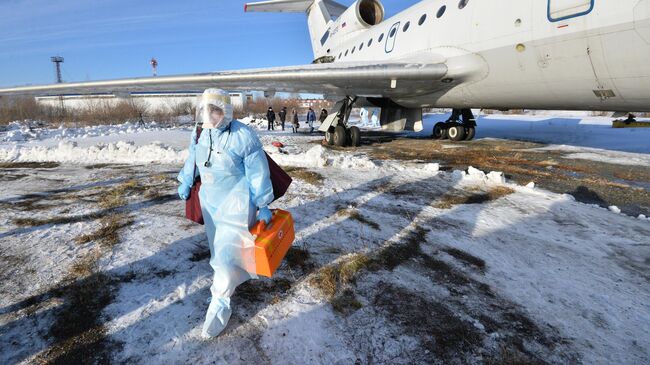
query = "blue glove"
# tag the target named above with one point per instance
(265, 215)
(184, 192)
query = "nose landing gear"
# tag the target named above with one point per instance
(337, 133)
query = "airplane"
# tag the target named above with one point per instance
(459, 54)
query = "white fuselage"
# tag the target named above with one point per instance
(595, 57)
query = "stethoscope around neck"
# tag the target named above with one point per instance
(207, 162)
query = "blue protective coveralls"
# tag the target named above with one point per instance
(234, 183)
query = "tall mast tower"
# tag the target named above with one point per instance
(58, 60)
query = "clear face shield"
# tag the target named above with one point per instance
(215, 112)
(211, 116)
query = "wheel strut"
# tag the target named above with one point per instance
(336, 125)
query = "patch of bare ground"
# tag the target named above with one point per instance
(355, 214)
(78, 334)
(108, 232)
(335, 280)
(299, 257)
(620, 185)
(110, 199)
(632, 174)
(11, 264)
(457, 197)
(29, 165)
(258, 292)
(305, 175)
(49, 201)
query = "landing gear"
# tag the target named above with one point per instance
(454, 128)
(456, 132)
(335, 125)
(340, 136)
(355, 136)
(329, 137)
(440, 130)
(471, 133)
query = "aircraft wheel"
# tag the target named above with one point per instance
(440, 131)
(355, 136)
(340, 137)
(329, 137)
(471, 132)
(456, 132)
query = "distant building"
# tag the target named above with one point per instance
(315, 104)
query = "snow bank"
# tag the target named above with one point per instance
(319, 156)
(120, 152)
(475, 175)
(615, 209)
(259, 124)
(157, 152)
(21, 132)
(619, 158)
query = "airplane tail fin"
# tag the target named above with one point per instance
(319, 15)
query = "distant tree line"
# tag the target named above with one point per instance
(102, 111)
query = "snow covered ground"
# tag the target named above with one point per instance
(582, 137)
(432, 267)
(586, 137)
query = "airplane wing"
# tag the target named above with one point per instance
(361, 79)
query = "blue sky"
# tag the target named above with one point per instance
(105, 39)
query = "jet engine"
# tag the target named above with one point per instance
(360, 16)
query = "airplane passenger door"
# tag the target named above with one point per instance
(391, 37)
(565, 9)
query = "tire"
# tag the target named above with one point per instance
(340, 137)
(329, 137)
(456, 132)
(440, 131)
(471, 132)
(355, 136)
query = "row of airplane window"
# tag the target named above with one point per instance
(461, 5)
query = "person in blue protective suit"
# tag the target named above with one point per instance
(235, 193)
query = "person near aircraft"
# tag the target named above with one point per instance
(311, 118)
(323, 115)
(295, 124)
(283, 116)
(235, 192)
(270, 117)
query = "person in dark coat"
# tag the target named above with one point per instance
(294, 121)
(283, 116)
(270, 116)
(323, 116)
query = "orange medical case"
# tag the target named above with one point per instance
(272, 242)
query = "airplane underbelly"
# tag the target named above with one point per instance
(581, 73)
